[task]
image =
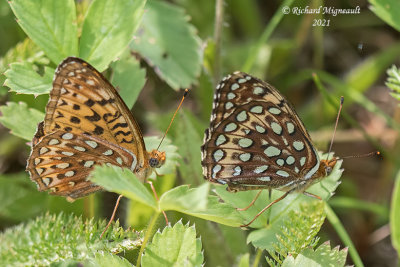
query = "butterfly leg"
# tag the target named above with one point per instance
(269, 205)
(312, 195)
(155, 194)
(251, 204)
(112, 216)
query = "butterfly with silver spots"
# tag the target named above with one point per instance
(256, 140)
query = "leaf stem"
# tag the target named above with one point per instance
(344, 236)
(219, 19)
(149, 233)
(257, 258)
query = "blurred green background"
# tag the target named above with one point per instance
(350, 57)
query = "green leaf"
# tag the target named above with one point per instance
(388, 11)
(175, 246)
(169, 44)
(12, 116)
(106, 260)
(321, 257)
(107, 30)
(17, 192)
(24, 79)
(52, 238)
(195, 202)
(393, 81)
(395, 215)
(279, 210)
(124, 182)
(50, 24)
(129, 78)
(189, 141)
(185, 200)
(366, 74)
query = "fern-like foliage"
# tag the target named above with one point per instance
(323, 256)
(393, 81)
(298, 232)
(54, 238)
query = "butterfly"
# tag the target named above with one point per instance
(256, 140)
(86, 124)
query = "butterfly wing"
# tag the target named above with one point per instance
(87, 119)
(83, 101)
(255, 139)
(61, 162)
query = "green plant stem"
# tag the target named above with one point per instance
(219, 19)
(356, 204)
(265, 36)
(149, 233)
(257, 258)
(334, 220)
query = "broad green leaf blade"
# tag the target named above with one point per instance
(12, 116)
(54, 238)
(366, 74)
(107, 30)
(50, 24)
(321, 257)
(17, 192)
(395, 215)
(323, 189)
(106, 260)
(175, 246)
(388, 11)
(189, 141)
(170, 150)
(195, 202)
(124, 182)
(22, 78)
(169, 44)
(129, 78)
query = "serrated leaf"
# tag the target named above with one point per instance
(169, 44)
(279, 210)
(128, 78)
(124, 182)
(12, 116)
(107, 30)
(388, 11)
(50, 24)
(107, 260)
(395, 214)
(195, 202)
(175, 246)
(52, 238)
(323, 256)
(22, 78)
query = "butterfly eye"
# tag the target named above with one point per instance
(154, 163)
(328, 170)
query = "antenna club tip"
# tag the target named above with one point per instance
(186, 92)
(378, 152)
(341, 100)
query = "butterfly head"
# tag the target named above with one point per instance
(326, 166)
(156, 158)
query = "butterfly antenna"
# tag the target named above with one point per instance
(173, 117)
(362, 155)
(337, 121)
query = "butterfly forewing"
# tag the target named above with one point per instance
(255, 138)
(86, 124)
(83, 101)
